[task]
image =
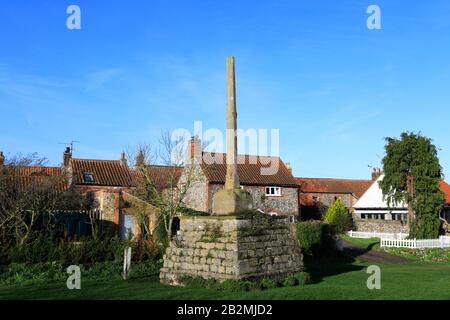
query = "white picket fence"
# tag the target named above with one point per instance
(365, 235)
(442, 242)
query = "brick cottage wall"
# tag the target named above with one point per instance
(227, 248)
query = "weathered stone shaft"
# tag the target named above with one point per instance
(232, 178)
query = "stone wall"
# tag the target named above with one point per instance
(387, 226)
(229, 248)
(286, 204)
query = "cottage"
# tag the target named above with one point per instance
(318, 194)
(275, 194)
(372, 213)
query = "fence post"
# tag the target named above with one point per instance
(126, 262)
(351, 233)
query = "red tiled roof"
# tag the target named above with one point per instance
(307, 200)
(162, 176)
(26, 177)
(249, 170)
(325, 185)
(111, 173)
(445, 187)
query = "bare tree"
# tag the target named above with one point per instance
(166, 186)
(29, 197)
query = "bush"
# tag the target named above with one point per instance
(303, 278)
(267, 283)
(290, 281)
(338, 217)
(314, 237)
(86, 251)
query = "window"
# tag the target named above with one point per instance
(88, 177)
(273, 191)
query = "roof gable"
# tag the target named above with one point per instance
(110, 173)
(373, 198)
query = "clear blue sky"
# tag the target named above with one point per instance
(310, 68)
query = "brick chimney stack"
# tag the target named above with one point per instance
(123, 159)
(67, 156)
(289, 167)
(376, 173)
(140, 159)
(194, 150)
(2, 158)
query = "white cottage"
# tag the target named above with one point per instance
(372, 213)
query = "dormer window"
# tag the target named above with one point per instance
(273, 191)
(88, 177)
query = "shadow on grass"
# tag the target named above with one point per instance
(330, 264)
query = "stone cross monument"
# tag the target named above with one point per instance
(232, 198)
(221, 248)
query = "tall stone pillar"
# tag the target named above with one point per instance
(232, 198)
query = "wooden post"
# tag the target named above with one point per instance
(126, 262)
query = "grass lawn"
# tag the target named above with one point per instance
(415, 280)
(365, 243)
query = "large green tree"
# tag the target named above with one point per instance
(412, 174)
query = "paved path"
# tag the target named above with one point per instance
(369, 255)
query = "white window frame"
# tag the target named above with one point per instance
(272, 191)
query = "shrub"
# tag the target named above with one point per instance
(303, 278)
(267, 283)
(290, 281)
(309, 235)
(86, 251)
(338, 217)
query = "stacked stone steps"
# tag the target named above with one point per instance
(213, 247)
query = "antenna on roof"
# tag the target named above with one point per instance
(70, 143)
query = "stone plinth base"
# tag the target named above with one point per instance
(225, 247)
(227, 201)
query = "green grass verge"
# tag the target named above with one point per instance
(416, 280)
(369, 243)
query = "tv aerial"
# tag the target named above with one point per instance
(70, 144)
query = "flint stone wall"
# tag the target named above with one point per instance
(229, 248)
(386, 226)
